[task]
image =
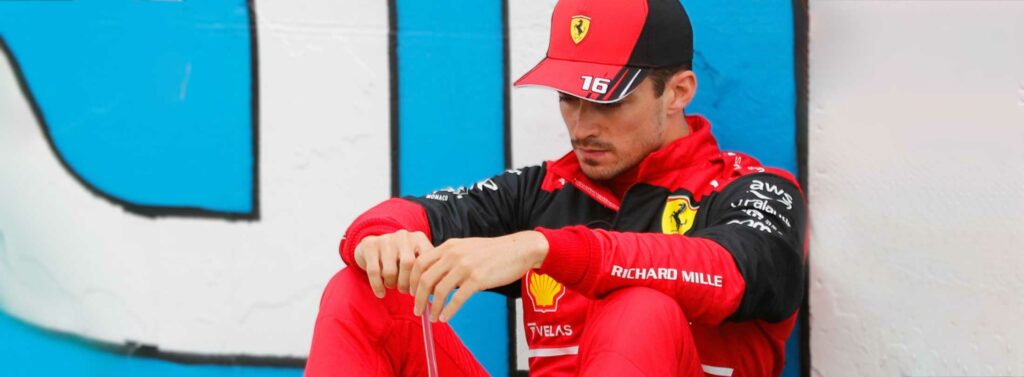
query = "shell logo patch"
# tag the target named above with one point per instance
(544, 292)
(678, 216)
(578, 28)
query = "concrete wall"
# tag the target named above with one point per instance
(917, 187)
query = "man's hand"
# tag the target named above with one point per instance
(388, 259)
(473, 265)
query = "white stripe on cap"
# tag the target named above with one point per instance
(628, 86)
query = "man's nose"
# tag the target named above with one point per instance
(585, 122)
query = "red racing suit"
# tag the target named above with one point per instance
(721, 235)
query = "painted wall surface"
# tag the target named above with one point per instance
(74, 262)
(28, 351)
(917, 187)
(178, 174)
(184, 138)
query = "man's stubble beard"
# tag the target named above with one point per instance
(627, 162)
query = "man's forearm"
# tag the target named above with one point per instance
(387, 217)
(698, 273)
(535, 245)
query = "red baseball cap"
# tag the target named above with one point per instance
(601, 50)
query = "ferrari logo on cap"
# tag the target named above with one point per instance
(578, 28)
(678, 216)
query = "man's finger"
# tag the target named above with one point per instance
(358, 253)
(425, 284)
(389, 264)
(420, 242)
(441, 291)
(461, 296)
(372, 257)
(406, 260)
(420, 246)
(423, 262)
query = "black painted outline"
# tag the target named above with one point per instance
(135, 349)
(254, 106)
(800, 59)
(395, 127)
(153, 211)
(506, 85)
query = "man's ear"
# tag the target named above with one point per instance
(680, 89)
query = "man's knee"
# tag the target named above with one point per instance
(348, 294)
(637, 327)
(345, 291)
(643, 299)
(349, 328)
(647, 310)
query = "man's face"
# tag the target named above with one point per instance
(611, 138)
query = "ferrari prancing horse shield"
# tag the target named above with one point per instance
(678, 216)
(578, 28)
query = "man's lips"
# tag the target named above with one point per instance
(588, 153)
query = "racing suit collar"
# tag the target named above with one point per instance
(681, 154)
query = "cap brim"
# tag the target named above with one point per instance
(601, 83)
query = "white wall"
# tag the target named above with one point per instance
(917, 187)
(538, 132)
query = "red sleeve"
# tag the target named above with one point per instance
(698, 273)
(387, 217)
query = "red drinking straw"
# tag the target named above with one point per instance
(428, 342)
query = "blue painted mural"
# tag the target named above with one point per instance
(28, 351)
(148, 104)
(743, 58)
(151, 106)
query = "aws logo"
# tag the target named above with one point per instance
(679, 215)
(544, 292)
